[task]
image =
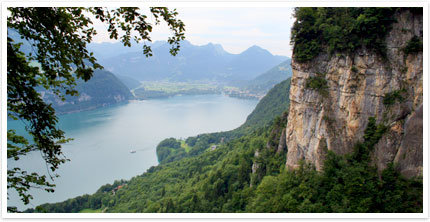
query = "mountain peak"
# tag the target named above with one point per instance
(217, 47)
(256, 49)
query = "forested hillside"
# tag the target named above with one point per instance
(232, 178)
(247, 174)
(101, 90)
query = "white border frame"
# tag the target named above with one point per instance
(176, 4)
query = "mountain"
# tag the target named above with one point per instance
(128, 81)
(252, 62)
(193, 63)
(268, 79)
(107, 49)
(101, 90)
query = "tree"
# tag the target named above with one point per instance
(58, 39)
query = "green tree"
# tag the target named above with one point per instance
(340, 30)
(58, 37)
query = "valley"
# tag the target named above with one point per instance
(165, 89)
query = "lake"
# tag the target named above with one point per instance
(103, 139)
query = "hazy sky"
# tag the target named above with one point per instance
(236, 29)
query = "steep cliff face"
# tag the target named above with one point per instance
(357, 87)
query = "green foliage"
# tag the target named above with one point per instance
(219, 181)
(416, 10)
(275, 102)
(394, 96)
(340, 29)
(166, 148)
(347, 184)
(58, 38)
(354, 69)
(372, 134)
(318, 83)
(414, 45)
(25, 103)
(192, 145)
(90, 211)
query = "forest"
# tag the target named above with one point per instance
(342, 29)
(222, 181)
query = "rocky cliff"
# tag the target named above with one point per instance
(358, 86)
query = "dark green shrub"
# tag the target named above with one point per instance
(414, 45)
(391, 97)
(416, 10)
(316, 30)
(318, 83)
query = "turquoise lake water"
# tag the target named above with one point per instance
(103, 139)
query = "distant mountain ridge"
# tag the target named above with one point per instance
(208, 62)
(266, 81)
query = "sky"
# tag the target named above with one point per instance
(235, 28)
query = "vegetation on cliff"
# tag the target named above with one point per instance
(318, 83)
(396, 95)
(341, 29)
(414, 45)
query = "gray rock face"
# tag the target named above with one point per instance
(255, 165)
(282, 142)
(317, 123)
(409, 157)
